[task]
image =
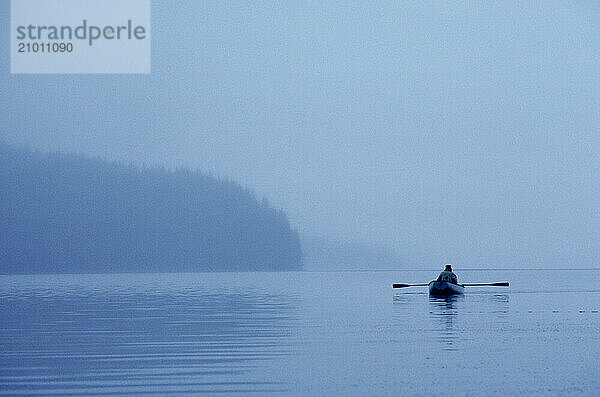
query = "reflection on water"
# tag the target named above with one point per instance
(451, 315)
(65, 339)
(444, 311)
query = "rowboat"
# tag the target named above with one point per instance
(445, 288)
(449, 288)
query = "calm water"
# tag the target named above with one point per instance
(299, 334)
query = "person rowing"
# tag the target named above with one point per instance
(448, 275)
(447, 284)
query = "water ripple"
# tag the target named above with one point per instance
(63, 337)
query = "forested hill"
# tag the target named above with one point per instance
(63, 213)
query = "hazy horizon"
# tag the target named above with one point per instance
(455, 133)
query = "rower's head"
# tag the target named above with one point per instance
(448, 268)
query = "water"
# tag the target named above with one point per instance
(299, 334)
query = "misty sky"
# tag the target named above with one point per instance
(452, 133)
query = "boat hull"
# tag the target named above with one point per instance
(445, 288)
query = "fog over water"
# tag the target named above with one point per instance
(447, 132)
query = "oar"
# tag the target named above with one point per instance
(408, 285)
(503, 284)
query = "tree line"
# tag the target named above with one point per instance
(65, 213)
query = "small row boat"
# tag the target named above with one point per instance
(449, 288)
(445, 288)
